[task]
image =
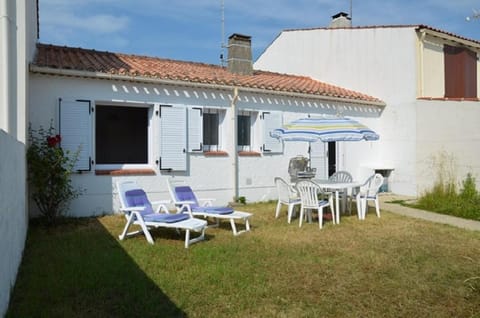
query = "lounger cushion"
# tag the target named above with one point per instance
(166, 218)
(138, 198)
(185, 193)
(213, 209)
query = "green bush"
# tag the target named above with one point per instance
(49, 173)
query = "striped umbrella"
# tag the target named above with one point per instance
(324, 129)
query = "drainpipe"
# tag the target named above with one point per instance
(235, 138)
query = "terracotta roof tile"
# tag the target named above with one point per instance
(61, 57)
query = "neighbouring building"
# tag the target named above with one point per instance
(427, 77)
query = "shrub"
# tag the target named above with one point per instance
(444, 197)
(49, 173)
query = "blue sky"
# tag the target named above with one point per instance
(191, 30)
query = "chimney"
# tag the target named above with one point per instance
(340, 20)
(239, 59)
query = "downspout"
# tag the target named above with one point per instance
(235, 138)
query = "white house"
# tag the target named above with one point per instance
(428, 79)
(150, 119)
(18, 34)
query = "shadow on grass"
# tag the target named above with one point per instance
(87, 274)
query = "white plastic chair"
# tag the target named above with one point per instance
(138, 210)
(309, 195)
(369, 192)
(288, 196)
(340, 177)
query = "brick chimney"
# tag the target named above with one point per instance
(239, 59)
(340, 20)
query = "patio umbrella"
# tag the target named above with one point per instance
(324, 129)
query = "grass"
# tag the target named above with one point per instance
(445, 199)
(388, 267)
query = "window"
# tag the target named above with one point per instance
(121, 135)
(210, 131)
(460, 72)
(244, 126)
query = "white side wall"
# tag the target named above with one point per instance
(18, 30)
(211, 177)
(13, 218)
(450, 130)
(380, 62)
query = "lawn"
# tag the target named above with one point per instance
(389, 267)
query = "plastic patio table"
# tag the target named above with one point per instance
(336, 187)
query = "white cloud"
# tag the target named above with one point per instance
(77, 16)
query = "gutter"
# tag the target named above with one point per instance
(118, 77)
(445, 36)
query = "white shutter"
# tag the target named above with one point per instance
(319, 159)
(271, 121)
(195, 130)
(76, 131)
(173, 138)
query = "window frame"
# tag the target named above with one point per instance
(220, 115)
(150, 136)
(249, 146)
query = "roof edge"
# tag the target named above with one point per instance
(143, 79)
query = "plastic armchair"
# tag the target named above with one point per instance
(344, 176)
(288, 196)
(369, 192)
(309, 195)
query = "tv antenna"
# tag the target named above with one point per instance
(222, 51)
(475, 15)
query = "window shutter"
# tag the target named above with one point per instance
(173, 138)
(195, 136)
(271, 121)
(460, 65)
(76, 131)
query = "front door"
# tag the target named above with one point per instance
(332, 158)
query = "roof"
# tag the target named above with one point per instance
(414, 26)
(92, 63)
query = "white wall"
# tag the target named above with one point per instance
(18, 31)
(449, 129)
(380, 62)
(209, 176)
(13, 217)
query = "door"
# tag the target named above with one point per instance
(332, 158)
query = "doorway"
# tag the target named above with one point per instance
(332, 157)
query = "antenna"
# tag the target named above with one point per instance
(351, 12)
(222, 51)
(475, 15)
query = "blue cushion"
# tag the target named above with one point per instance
(213, 209)
(185, 193)
(138, 198)
(165, 218)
